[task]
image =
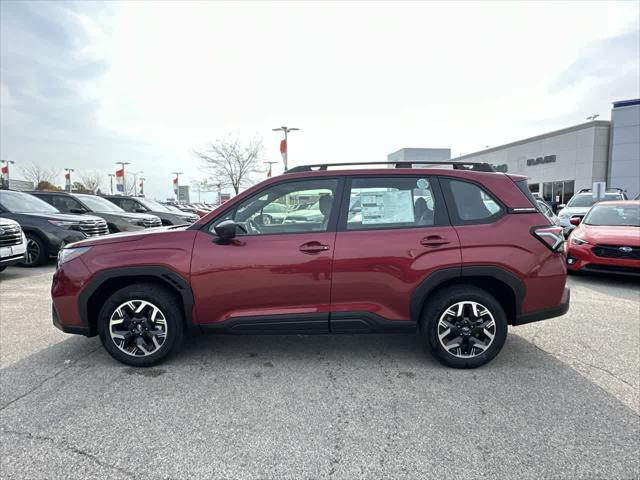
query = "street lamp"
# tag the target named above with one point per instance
(4, 177)
(67, 178)
(269, 172)
(177, 183)
(135, 182)
(124, 177)
(284, 147)
(111, 175)
(593, 117)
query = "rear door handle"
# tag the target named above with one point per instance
(433, 241)
(313, 247)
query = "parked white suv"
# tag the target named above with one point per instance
(580, 204)
(13, 244)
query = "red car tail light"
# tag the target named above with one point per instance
(552, 237)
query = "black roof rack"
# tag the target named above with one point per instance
(612, 189)
(477, 167)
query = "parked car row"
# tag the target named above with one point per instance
(50, 220)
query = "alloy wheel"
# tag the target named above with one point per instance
(138, 328)
(33, 251)
(466, 329)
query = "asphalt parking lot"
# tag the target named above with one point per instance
(562, 400)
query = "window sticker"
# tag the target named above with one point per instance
(422, 184)
(387, 207)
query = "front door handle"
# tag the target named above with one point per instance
(433, 241)
(313, 247)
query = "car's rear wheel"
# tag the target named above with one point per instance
(464, 326)
(141, 325)
(36, 253)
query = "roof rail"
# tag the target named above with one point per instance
(612, 189)
(478, 167)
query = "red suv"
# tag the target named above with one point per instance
(456, 254)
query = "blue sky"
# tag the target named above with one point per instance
(84, 84)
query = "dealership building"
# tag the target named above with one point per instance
(564, 161)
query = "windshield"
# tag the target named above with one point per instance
(614, 216)
(588, 200)
(18, 202)
(153, 205)
(99, 204)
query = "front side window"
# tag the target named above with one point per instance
(472, 204)
(288, 207)
(64, 203)
(390, 202)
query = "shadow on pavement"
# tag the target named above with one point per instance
(343, 406)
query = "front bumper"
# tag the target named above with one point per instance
(580, 258)
(538, 315)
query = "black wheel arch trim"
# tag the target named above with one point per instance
(163, 274)
(439, 277)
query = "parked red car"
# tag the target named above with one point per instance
(454, 254)
(607, 240)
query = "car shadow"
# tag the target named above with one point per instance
(343, 406)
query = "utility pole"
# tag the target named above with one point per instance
(67, 179)
(284, 146)
(269, 172)
(124, 176)
(135, 182)
(111, 175)
(4, 177)
(177, 185)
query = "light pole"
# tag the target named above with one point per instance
(111, 175)
(284, 146)
(67, 178)
(269, 172)
(124, 177)
(176, 181)
(5, 173)
(135, 182)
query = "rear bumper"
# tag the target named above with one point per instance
(552, 312)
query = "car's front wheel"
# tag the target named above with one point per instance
(36, 252)
(141, 325)
(464, 326)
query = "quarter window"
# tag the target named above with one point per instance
(390, 202)
(472, 204)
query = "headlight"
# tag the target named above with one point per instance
(66, 254)
(577, 240)
(132, 221)
(63, 223)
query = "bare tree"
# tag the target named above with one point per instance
(92, 181)
(231, 162)
(37, 174)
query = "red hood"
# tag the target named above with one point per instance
(627, 236)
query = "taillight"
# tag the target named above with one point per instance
(552, 237)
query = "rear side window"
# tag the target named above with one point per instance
(392, 202)
(471, 203)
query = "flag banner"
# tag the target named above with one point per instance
(67, 181)
(120, 180)
(5, 173)
(175, 185)
(283, 150)
(142, 188)
(269, 172)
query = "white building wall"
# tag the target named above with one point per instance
(581, 155)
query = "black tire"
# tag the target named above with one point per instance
(166, 301)
(36, 252)
(436, 307)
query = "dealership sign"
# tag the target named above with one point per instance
(539, 160)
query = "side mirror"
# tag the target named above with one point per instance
(141, 210)
(227, 230)
(77, 210)
(561, 205)
(575, 221)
